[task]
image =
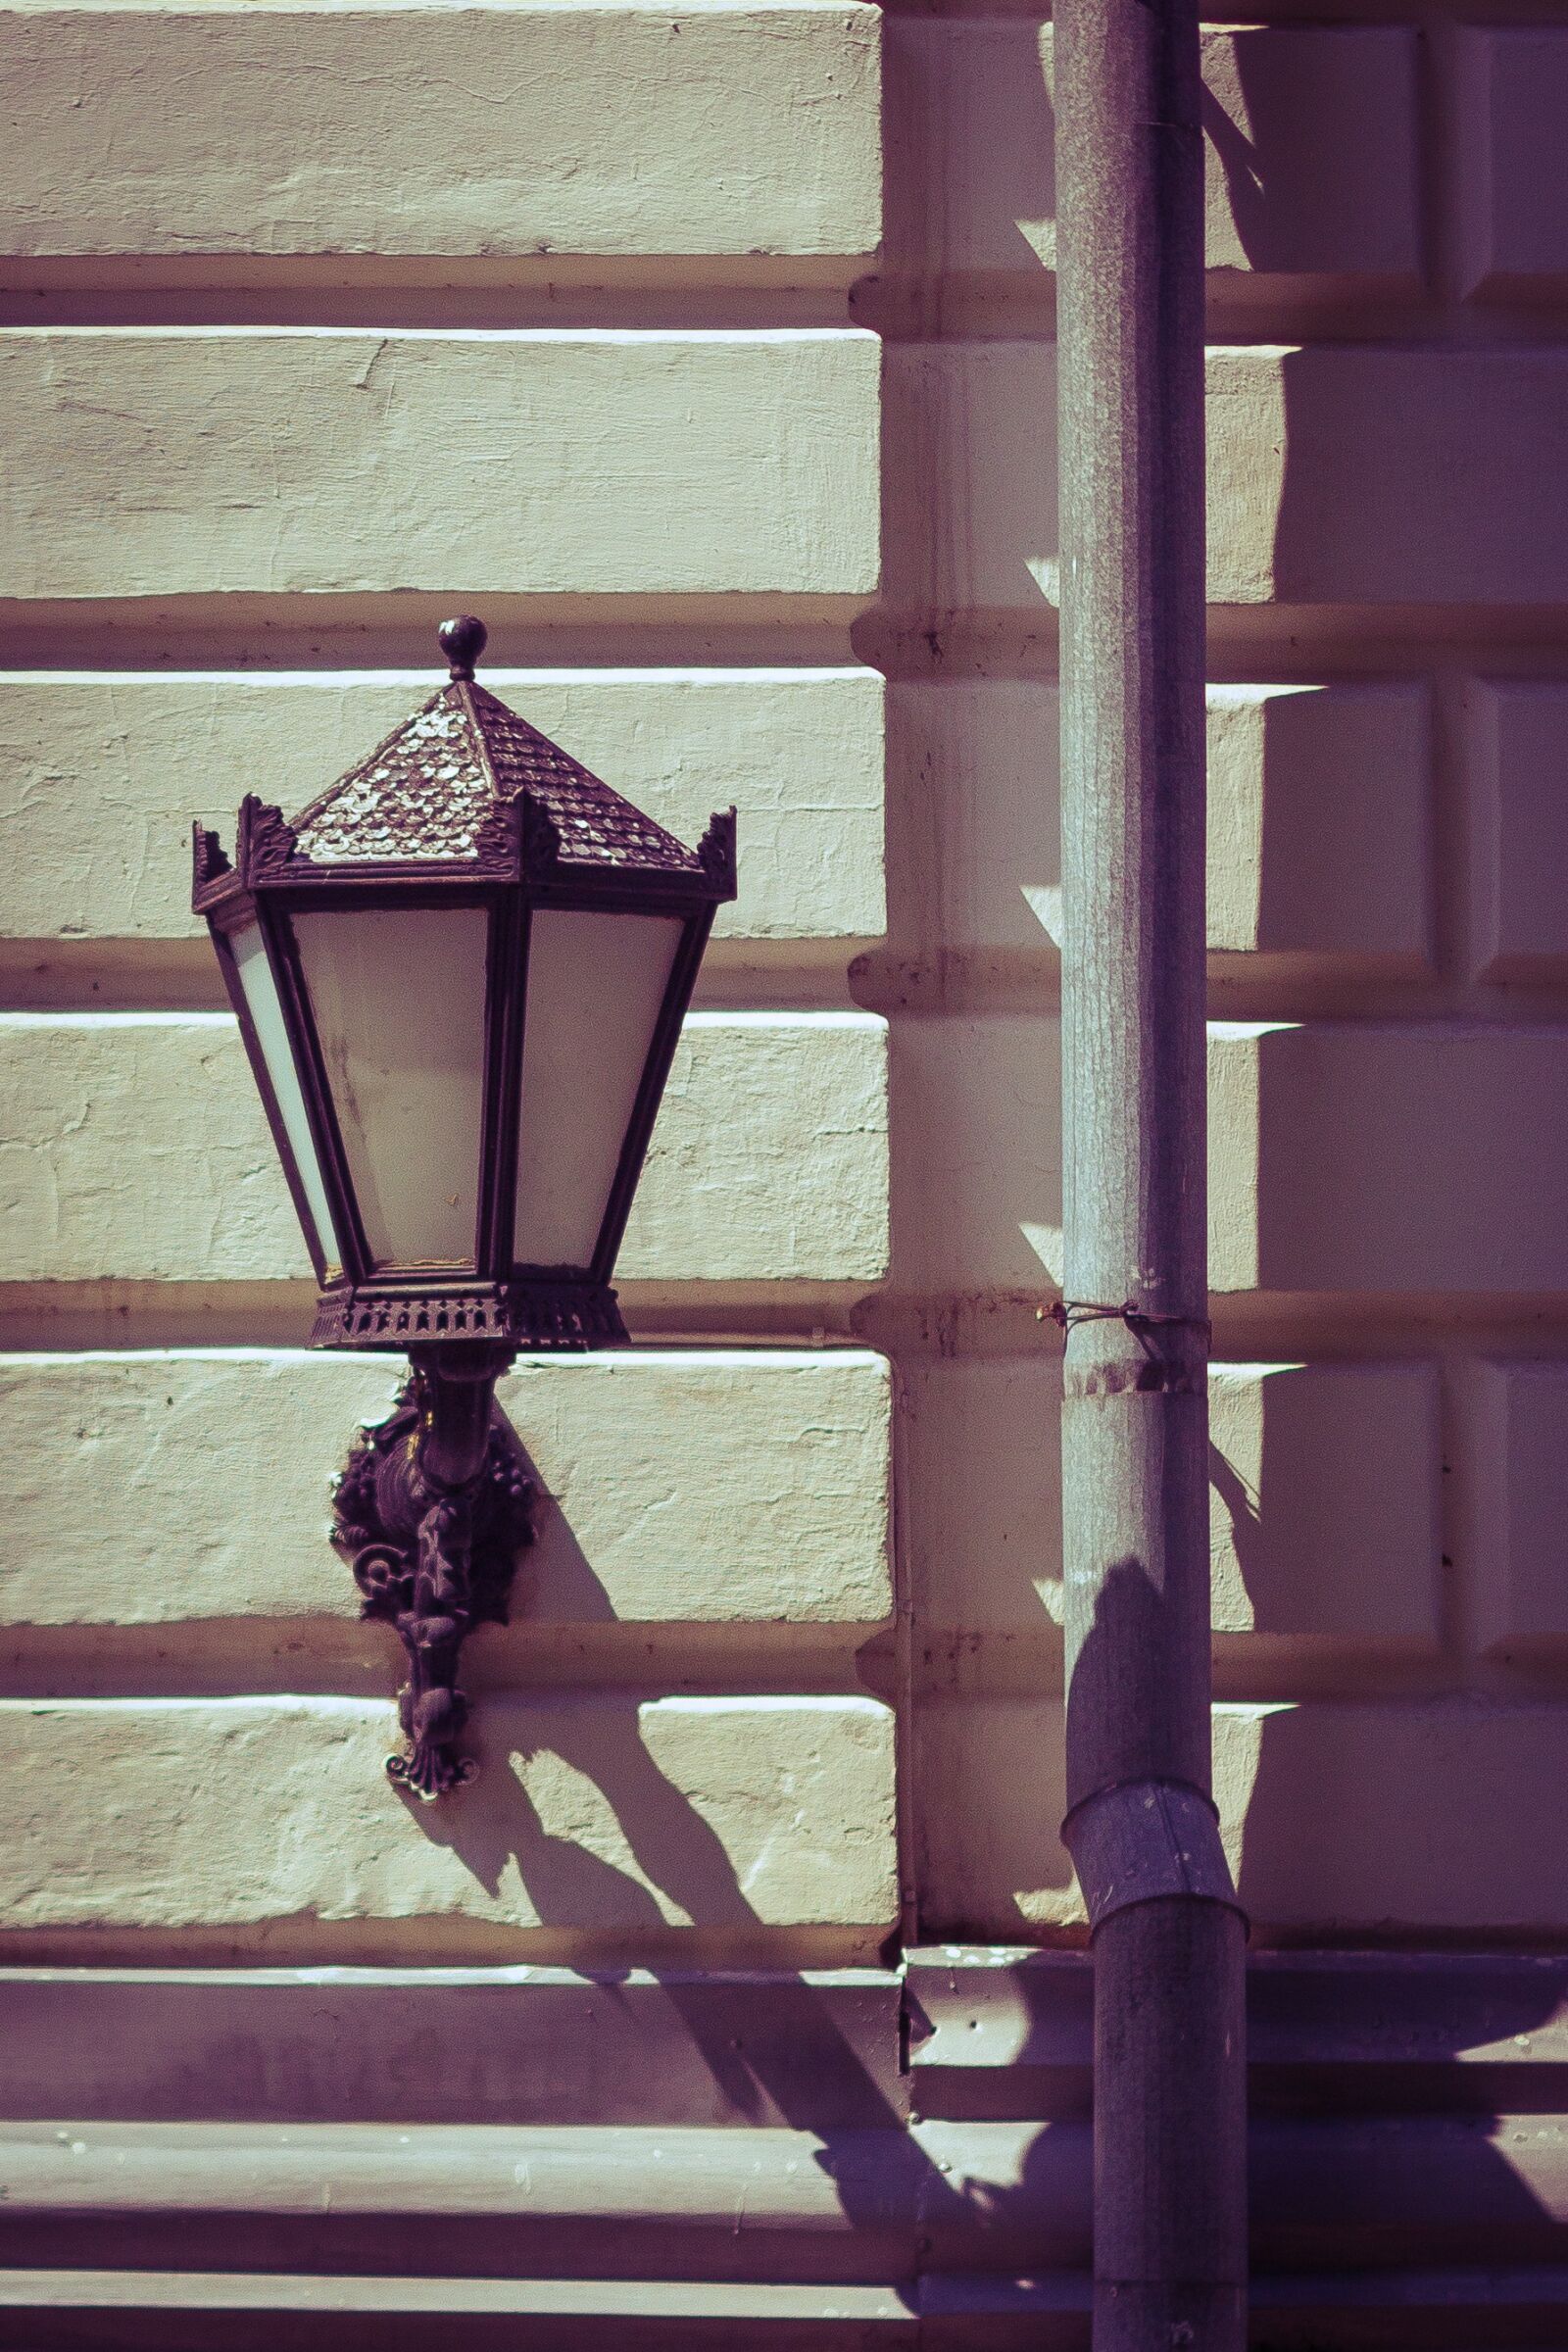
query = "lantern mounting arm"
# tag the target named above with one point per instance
(432, 1508)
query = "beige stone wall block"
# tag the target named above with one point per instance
(1235, 1211)
(970, 510)
(1343, 1157)
(593, 1813)
(1319, 816)
(1310, 145)
(1519, 1429)
(773, 1138)
(184, 462)
(1323, 1506)
(1320, 821)
(1388, 1817)
(1520, 834)
(1380, 1158)
(733, 1488)
(982, 1484)
(1385, 477)
(976, 1128)
(1520, 205)
(1337, 475)
(1324, 1500)
(1396, 1817)
(1310, 148)
(990, 1792)
(977, 765)
(137, 1148)
(333, 130)
(971, 129)
(1363, 1157)
(105, 773)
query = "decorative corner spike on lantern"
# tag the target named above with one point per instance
(459, 974)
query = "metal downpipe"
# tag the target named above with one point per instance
(1169, 1935)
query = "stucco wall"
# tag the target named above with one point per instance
(707, 354)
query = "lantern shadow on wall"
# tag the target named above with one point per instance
(460, 975)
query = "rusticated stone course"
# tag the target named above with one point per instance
(284, 387)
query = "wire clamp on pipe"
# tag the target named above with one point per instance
(1068, 1313)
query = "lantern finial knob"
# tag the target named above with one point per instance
(462, 641)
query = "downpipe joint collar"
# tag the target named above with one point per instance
(1146, 1842)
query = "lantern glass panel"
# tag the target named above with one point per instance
(596, 988)
(261, 1001)
(398, 999)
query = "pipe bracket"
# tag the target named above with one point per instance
(1144, 1841)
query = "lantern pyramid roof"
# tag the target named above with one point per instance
(427, 788)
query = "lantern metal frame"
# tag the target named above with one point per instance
(435, 1505)
(516, 868)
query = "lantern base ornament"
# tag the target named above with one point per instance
(561, 1314)
(431, 1511)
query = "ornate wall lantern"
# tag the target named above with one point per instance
(459, 974)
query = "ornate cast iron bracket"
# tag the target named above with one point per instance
(432, 1508)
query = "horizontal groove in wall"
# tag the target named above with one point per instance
(248, 2311)
(330, 1657)
(305, 1941)
(1360, 12)
(1268, 1327)
(750, 294)
(440, 290)
(1330, 2193)
(173, 1314)
(1255, 307)
(354, 2312)
(1241, 987)
(395, 630)
(181, 976)
(1031, 10)
(1241, 306)
(745, 294)
(1277, 11)
(1281, 988)
(417, 304)
(1282, 1667)
(884, 981)
(953, 1666)
(1277, 643)
(748, 975)
(1361, 641)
